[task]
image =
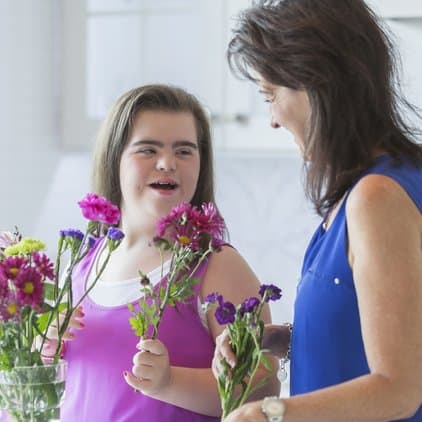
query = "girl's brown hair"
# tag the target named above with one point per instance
(114, 133)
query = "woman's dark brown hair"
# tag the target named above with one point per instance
(337, 52)
(114, 133)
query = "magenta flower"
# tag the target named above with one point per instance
(98, 208)
(3, 288)
(9, 308)
(29, 287)
(186, 225)
(11, 266)
(44, 265)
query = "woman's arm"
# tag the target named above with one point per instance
(196, 389)
(385, 252)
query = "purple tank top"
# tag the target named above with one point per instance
(95, 387)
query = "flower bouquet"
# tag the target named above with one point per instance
(246, 331)
(32, 301)
(190, 234)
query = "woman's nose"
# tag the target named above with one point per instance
(274, 123)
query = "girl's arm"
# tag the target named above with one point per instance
(196, 389)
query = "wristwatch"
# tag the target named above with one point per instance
(273, 408)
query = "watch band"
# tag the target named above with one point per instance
(273, 408)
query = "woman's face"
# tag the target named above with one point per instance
(159, 167)
(289, 108)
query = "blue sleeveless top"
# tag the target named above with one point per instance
(327, 346)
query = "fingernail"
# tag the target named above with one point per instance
(82, 325)
(125, 374)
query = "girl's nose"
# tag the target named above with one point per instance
(166, 163)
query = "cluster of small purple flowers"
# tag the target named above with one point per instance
(226, 312)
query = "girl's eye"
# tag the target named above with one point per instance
(146, 151)
(184, 152)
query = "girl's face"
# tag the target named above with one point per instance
(159, 167)
(289, 108)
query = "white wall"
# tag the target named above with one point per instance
(29, 118)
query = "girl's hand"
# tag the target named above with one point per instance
(222, 350)
(249, 412)
(50, 344)
(151, 368)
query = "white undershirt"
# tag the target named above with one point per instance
(123, 292)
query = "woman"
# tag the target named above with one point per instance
(326, 69)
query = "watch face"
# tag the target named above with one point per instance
(274, 407)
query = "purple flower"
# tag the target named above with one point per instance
(91, 241)
(98, 208)
(225, 313)
(114, 233)
(214, 297)
(77, 234)
(270, 292)
(249, 305)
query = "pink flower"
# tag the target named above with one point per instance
(186, 224)
(9, 308)
(43, 264)
(3, 288)
(98, 208)
(11, 266)
(29, 287)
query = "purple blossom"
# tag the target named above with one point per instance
(98, 208)
(270, 291)
(249, 305)
(75, 233)
(114, 233)
(91, 241)
(214, 297)
(225, 313)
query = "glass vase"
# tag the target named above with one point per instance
(33, 393)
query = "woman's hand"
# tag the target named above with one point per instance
(276, 339)
(52, 336)
(249, 412)
(151, 368)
